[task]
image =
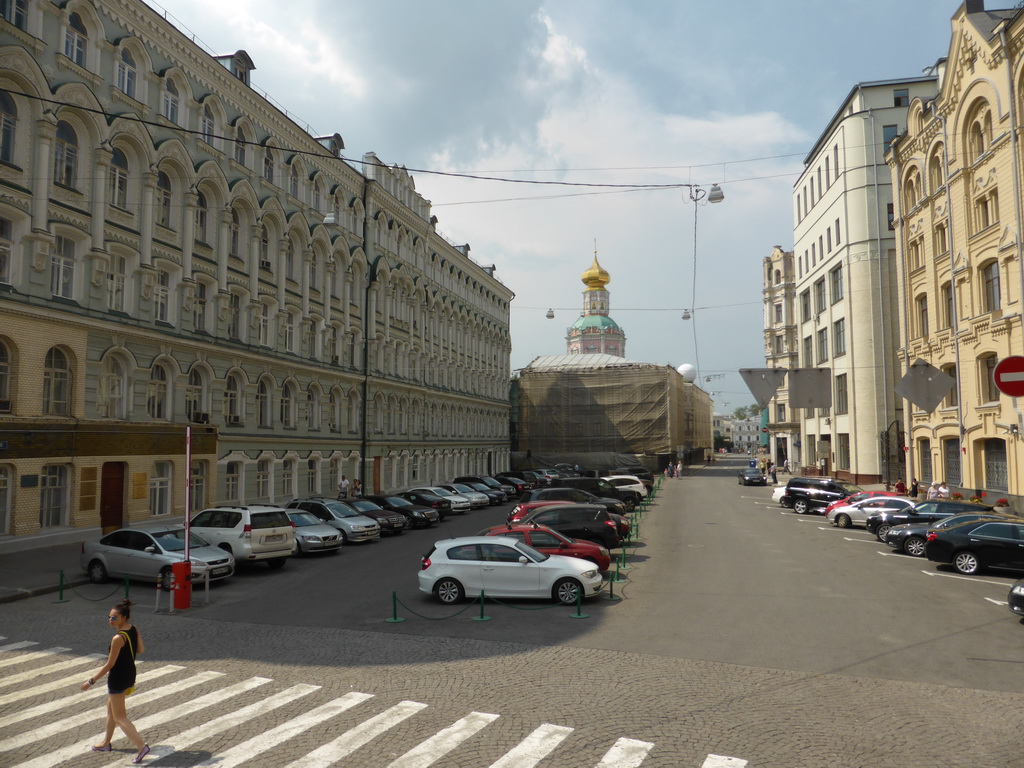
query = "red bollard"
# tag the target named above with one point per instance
(182, 585)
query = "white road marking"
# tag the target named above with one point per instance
(241, 753)
(63, 726)
(27, 656)
(52, 706)
(964, 578)
(53, 685)
(626, 753)
(534, 747)
(33, 674)
(330, 753)
(862, 541)
(997, 602)
(720, 761)
(227, 722)
(444, 741)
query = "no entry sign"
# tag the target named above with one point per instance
(1009, 376)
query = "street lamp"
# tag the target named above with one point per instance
(699, 196)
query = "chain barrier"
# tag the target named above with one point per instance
(60, 591)
(431, 618)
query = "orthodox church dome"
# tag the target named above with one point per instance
(596, 278)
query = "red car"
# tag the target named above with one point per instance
(523, 508)
(550, 542)
(856, 497)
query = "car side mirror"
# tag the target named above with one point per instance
(562, 545)
(524, 559)
(151, 549)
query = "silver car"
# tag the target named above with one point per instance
(847, 515)
(312, 534)
(459, 503)
(148, 553)
(476, 499)
(352, 525)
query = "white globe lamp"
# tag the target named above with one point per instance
(688, 372)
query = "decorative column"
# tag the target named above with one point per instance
(146, 217)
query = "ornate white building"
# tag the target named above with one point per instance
(175, 251)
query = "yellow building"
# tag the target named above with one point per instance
(958, 221)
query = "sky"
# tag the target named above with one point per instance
(627, 92)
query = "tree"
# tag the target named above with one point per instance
(747, 412)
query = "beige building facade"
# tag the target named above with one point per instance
(958, 222)
(781, 349)
(177, 254)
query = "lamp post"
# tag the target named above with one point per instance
(698, 196)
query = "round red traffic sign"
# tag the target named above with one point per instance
(1009, 376)
(764, 429)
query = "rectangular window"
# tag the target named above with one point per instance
(839, 337)
(839, 238)
(780, 412)
(835, 279)
(941, 241)
(820, 302)
(53, 495)
(62, 268)
(14, 11)
(778, 345)
(6, 247)
(889, 132)
(197, 487)
(821, 247)
(947, 305)
(116, 278)
(991, 296)
(828, 239)
(160, 489)
(808, 352)
(778, 313)
(901, 97)
(953, 398)
(987, 366)
(842, 395)
(232, 481)
(814, 254)
(162, 296)
(823, 345)
(234, 316)
(890, 216)
(199, 307)
(805, 306)
(843, 450)
(835, 158)
(922, 315)
(288, 479)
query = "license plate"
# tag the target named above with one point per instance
(274, 537)
(220, 571)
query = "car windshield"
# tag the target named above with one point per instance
(441, 492)
(531, 553)
(341, 510)
(302, 519)
(479, 487)
(397, 501)
(462, 488)
(174, 541)
(365, 506)
(490, 481)
(849, 490)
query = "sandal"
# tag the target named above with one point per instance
(142, 754)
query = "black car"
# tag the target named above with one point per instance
(752, 476)
(591, 522)
(415, 514)
(598, 486)
(574, 495)
(810, 494)
(432, 500)
(972, 547)
(516, 481)
(924, 512)
(389, 522)
(490, 482)
(910, 538)
(496, 496)
(1016, 598)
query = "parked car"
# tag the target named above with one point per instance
(518, 482)
(415, 514)
(810, 494)
(502, 567)
(495, 495)
(602, 488)
(353, 525)
(751, 476)
(441, 505)
(149, 552)
(253, 533)
(389, 522)
(879, 523)
(506, 488)
(576, 496)
(1016, 598)
(551, 542)
(539, 479)
(645, 475)
(312, 534)
(551, 474)
(777, 493)
(460, 504)
(849, 515)
(973, 547)
(628, 483)
(569, 470)
(591, 522)
(523, 508)
(477, 500)
(910, 538)
(857, 497)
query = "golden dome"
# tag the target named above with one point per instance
(595, 278)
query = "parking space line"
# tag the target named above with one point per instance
(975, 579)
(997, 602)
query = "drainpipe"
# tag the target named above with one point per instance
(369, 318)
(901, 281)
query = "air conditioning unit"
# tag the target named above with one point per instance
(233, 420)
(264, 264)
(5, 406)
(201, 418)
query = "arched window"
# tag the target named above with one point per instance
(170, 101)
(233, 481)
(268, 165)
(239, 146)
(62, 268)
(265, 262)
(236, 226)
(232, 401)
(936, 172)
(987, 384)
(16, 12)
(921, 302)
(117, 194)
(158, 395)
(293, 181)
(202, 218)
(196, 397)
(65, 155)
(56, 384)
(114, 402)
(76, 36)
(289, 261)
(8, 127)
(288, 406)
(263, 411)
(208, 125)
(163, 199)
(126, 73)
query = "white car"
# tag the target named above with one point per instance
(459, 503)
(504, 567)
(848, 515)
(476, 499)
(778, 493)
(257, 532)
(628, 482)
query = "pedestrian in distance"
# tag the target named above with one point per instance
(915, 488)
(356, 489)
(773, 470)
(900, 488)
(933, 491)
(343, 488)
(785, 466)
(943, 490)
(679, 469)
(120, 671)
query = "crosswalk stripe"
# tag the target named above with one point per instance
(444, 741)
(67, 701)
(33, 674)
(36, 690)
(17, 647)
(330, 753)
(720, 761)
(245, 751)
(626, 753)
(534, 747)
(64, 726)
(226, 722)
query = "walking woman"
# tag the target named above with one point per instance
(124, 646)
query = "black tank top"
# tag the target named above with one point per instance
(122, 675)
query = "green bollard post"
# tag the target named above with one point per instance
(625, 566)
(579, 608)
(60, 589)
(395, 618)
(611, 591)
(481, 617)
(618, 576)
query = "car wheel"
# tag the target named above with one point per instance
(567, 591)
(914, 546)
(967, 563)
(277, 563)
(784, 502)
(800, 506)
(881, 530)
(344, 538)
(97, 572)
(165, 578)
(449, 591)
(843, 521)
